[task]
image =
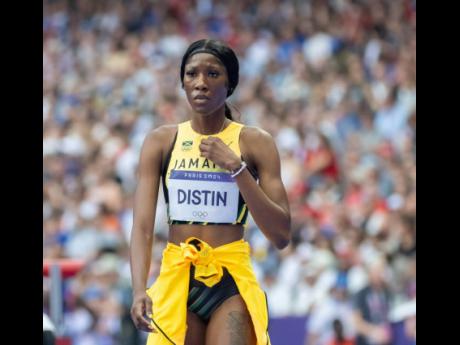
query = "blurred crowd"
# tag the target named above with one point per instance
(333, 81)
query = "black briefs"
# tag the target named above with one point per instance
(203, 300)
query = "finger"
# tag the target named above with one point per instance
(147, 329)
(215, 139)
(144, 323)
(204, 148)
(136, 321)
(139, 315)
(150, 328)
(136, 312)
(205, 145)
(148, 307)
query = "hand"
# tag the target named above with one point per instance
(141, 312)
(218, 152)
(380, 335)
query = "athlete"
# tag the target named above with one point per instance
(214, 171)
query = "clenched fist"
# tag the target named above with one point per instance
(217, 151)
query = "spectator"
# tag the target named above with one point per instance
(330, 321)
(339, 338)
(372, 306)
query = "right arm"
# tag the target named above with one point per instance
(145, 202)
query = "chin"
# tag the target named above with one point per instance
(204, 111)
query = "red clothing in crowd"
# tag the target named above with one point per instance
(344, 342)
(331, 169)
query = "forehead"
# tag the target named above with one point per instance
(203, 60)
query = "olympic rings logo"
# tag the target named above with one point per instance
(200, 214)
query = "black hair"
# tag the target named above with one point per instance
(338, 330)
(224, 53)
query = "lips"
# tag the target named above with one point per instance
(197, 97)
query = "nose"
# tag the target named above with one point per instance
(201, 83)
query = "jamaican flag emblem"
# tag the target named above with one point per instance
(187, 145)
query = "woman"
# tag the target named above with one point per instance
(206, 292)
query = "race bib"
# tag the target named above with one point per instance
(203, 196)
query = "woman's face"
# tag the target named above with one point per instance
(205, 83)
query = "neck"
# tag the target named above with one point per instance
(211, 124)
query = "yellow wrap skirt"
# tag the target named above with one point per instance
(169, 293)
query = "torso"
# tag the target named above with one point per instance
(214, 235)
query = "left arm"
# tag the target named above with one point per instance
(267, 201)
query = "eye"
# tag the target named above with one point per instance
(190, 73)
(213, 74)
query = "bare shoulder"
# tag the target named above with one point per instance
(252, 132)
(157, 143)
(257, 145)
(256, 138)
(163, 132)
(161, 136)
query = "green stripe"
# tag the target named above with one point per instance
(207, 308)
(192, 293)
(180, 222)
(268, 318)
(241, 215)
(201, 299)
(198, 293)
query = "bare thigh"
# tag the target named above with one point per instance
(196, 330)
(231, 324)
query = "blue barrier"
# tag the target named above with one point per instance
(293, 331)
